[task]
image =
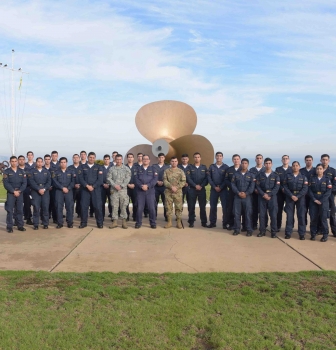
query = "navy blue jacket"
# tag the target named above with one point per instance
(269, 185)
(255, 171)
(105, 172)
(64, 179)
(29, 167)
(90, 176)
(331, 174)
(133, 170)
(54, 167)
(308, 174)
(197, 176)
(282, 174)
(147, 177)
(216, 176)
(320, 189)
(14, 181)
(39, 179)
(295, 186)
(75, 171)
(160, 171)
(229, 174)
(243, 183)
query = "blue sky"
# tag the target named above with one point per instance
(261, 75)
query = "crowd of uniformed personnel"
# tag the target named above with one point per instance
(247, 195)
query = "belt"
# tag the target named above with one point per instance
(296, 191)
(318, 192)
(268, 191)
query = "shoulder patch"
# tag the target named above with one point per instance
(5, 176)
(100, 172)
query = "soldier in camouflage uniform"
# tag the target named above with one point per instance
(174, 180)
(118, 177)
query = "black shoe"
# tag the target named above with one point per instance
(59, 226)
(36, 228)
(70, 225)
(100, 226)
(261, 234)
(29, 222)
(109, 215)
(15, 224)
(236, 233)
(278, 229)
(21, 229)
(302, 238)
(273, 235)
(255, 227)
(244, 229)
(211, 226)
(204, 225)
(9, 230)
(82, 226)
(229, 228)
(191, 224)
(45, 227)
(287, 236)
(55, 221)
(153, 226)
(324, 239)
(249, 233)
(137, 226)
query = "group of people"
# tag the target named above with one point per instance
(247, 195)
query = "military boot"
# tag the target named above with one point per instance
(179, 223)
(114, 224)
(169, 222)
(124, 223)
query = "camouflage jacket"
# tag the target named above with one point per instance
(174, 177)
(119, 175)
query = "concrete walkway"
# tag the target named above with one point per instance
(192, 250)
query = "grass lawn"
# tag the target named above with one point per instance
(2, 191)
(169, 311)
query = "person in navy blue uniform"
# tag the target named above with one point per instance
(229, 216)
(308, 171)
(259, 159)
(320, 189)
(242, 185)
(216, 179)
(30, 165)
(105, 188)
(39, 180)
(46, 166)
(268, 184)
(131, 191)
(282, 171)
(138, 164)
(76, 192)
(331, 174)
(113, 162)
(54, 165)
(15, 182)
(160, 168)
(91, 179)
(197, 178)
(185, 166)
(64, 181)
(296, 188)
(145, 180)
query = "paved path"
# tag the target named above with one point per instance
(146, 250)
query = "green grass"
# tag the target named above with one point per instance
(2, 191)
(168, 311)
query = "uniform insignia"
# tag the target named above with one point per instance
(306, 182)
(74, 175)
(100, 172)
(155, 173)
(323, 183)
(278, 182)
(79, 172)
(329, 186)
(5, 176)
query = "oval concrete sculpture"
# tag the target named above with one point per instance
(143, 148)
(166, 120)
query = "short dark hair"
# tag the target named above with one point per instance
(130, 154)
(268, 160)
(91, 154)
(235, 155)
(46, 156)
(54, 152)
(82, 152)
(295, 161)
(63, 158)
(30, 152)
(325, 156)
(173, 157)
(285, 155)
(115, 152)
(107, 156)
(145, 155)
(161, 154)
(140, 154)
(219, 153)
(38, 159)
(12, 157)
(245, 160)
(308, 156)
(259, 155)
(118, 155)
(196, 153)
(319, 164)
(75, 155)
(21, 156)
(184, 155)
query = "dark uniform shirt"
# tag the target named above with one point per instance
(331, 174)
(105, 172)
(14, 181)
(229, 174)
(242, 183)
(29, 167)
(282, 174)
(268, 184)
(216, 175)
(133, 170)
(75, 171)
(39, 179)
(64, 179)
(295, 185)
(144, 176)
(197, 176)
(319, 189)
(308, 173)
(90, 176)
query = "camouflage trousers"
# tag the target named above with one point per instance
(174, 199)
(119, 199)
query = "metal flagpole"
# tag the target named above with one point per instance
(13, 106)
